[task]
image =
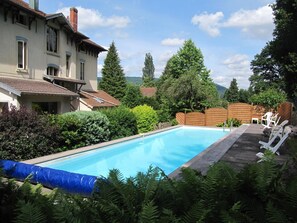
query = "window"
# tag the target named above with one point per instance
(22, 19)
(82, 70)
(45, 107)
(22, 54)
(51, 70)
(67, 65)
(52, 40)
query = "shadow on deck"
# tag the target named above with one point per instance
(244, 150)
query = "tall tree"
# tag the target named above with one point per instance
(113, 77)
(284, 44)
(232, 93)
(187, 64)
(281, 52)
(148, 71)
(266, 72)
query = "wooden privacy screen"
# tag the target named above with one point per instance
(241, 111)
(285, 111)
(195, 118)
(215, 116)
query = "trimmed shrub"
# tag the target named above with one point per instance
(122, 122)
(83, 128)
(230, 121)
(146, 118)
(26, 135)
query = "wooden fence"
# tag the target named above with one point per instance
(241, 111)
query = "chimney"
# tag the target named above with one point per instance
(73, 18)
(34, 4)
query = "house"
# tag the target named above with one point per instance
(148, 91)
(45, 61)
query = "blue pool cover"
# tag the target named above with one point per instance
(69, 182)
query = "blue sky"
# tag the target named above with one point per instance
(228, 32)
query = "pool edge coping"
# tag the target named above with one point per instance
(94, 146)
(211, 154)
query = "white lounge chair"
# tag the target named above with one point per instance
(266, 118)
(275, 129)
(274, 148)
(274, 120)
(277, 134)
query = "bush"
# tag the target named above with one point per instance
(26, 135)
(146, 118)
(270, 98)
(261, 192)
(230, 121)
(83, 128)
(122, 122)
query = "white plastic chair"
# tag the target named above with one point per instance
(274, 149)
(275, 129)
(274, 119)
(266, 118)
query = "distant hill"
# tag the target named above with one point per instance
(138, 81)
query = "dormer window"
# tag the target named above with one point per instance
(52, 40)
(22, 19)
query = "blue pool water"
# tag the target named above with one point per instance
(167, 150)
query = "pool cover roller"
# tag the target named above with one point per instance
(70, 182)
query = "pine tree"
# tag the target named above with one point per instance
(232, 94)
(148, 71)
(113, 77)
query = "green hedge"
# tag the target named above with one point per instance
(82, 128)
(26, 135)
(146, 118)
(122, 122)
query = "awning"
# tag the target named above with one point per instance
(33, 87)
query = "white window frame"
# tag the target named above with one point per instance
(22, 53)
(82, 70)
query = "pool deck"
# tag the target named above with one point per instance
(237, 150)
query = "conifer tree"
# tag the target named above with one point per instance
(148, 71)
(113, 77)
(232, 94)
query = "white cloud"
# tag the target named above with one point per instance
(236, 66)
(254, 23)
(208, 22)
(90, 18)
(258, 22)
(172, 42)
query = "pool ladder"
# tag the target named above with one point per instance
(231, 126)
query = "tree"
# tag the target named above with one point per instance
(266, 72)
(189, 57)
(243, 96)
(148, 71)
(270, 98)
(279, 56)
(284, 44)
(113, 77)
(175, 88)
(232, 94)
(132, 97)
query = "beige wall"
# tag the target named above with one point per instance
(38, 57)
(9, 97)
(90, 70)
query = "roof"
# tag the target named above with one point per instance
(26, 7)
(97, 99)
(148, 91)
(33, 87)
(64, 79)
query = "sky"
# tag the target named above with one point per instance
(229, 33)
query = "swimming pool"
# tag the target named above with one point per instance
(167, 150)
